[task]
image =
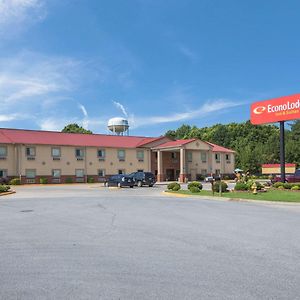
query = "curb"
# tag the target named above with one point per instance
(233, 199)
(7, 193)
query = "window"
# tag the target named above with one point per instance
(101, 153)
(140, 155)
(56, 173)
(79, 153)
(3, 173)
(203, 157)
(218, 172)
(121, 155)
(55, 152)
(3, 151)
(190, 156)
(30, 174)
(174, 155)
(228, 158)
(101, 172)
(203, 172)
(217, 157)
(30, 151)
(121, 172)
(79, 173)
(140, 170)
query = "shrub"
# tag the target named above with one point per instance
(176, 187)
(259, 186)
(295, 188)
(15, 181)
(4, 188)
(69, 180)
(278, 184)
(241, 186)
(43, 180)
(171, 185)
(195, 184)
(216, 186)
(281, 187)
(90, 180)
(287, 186)
(200, 177)
(194, 189)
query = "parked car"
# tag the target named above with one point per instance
(143, 178)
(120, 181)
(288, 177)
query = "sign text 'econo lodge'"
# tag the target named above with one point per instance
(276, 110)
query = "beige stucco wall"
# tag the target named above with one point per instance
(9, 164)
(68, 163)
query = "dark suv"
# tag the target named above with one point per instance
(289, 177)
(119, 181)
(143, 178)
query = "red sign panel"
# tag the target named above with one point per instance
(275, 110)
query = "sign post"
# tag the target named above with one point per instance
(282, 152)
(277, 110)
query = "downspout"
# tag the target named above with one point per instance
(85, 165)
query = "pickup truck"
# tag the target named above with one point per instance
(289, 177)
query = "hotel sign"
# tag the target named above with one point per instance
(276, 110)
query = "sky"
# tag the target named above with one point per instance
(160, 64)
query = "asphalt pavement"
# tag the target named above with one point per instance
(91, 242)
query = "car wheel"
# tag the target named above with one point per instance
(139, 184)
(119, 184)
(150, 185)
(131, 186)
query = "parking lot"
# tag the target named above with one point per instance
(92, 242)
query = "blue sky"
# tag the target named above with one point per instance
(161, 64)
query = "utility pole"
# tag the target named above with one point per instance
(282, 152)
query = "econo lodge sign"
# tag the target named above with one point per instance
(276, 110)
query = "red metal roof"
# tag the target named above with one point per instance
(217, 148)
(277, 165)
(37, 137)
(176, 143)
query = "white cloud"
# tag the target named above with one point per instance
(7, 118)
(16, 14)
(85, 121)
(121, 108)
(212, 106)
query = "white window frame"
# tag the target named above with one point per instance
(52, 152)
(76, 170)
(122, 171)
(190, 156)
(103, 172)
(217, 158)
(81, 150)
(4, 173)
(140, 157)
(30, 154)
(102, 151)
(121, 157)
(203, 154)
(30, 177)
(5, 151)
(55, 175)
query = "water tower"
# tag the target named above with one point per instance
(118, 126)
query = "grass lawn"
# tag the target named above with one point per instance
(270, 195)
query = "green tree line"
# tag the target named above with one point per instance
(254, 145)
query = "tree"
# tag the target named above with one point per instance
(75, 128)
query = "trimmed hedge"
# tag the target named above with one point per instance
(241, 186)
(43, 180)
(69, 180)
(295, 188)
(194, 189)
(174, 186)
(90, 180)
(278, 184)
(15, 181)
(4, 188)
(216, 186)
(195, 184)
